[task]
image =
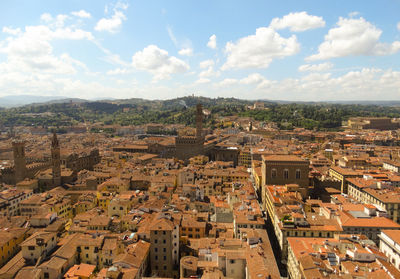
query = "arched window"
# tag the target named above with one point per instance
(298, 174)
(286, 174)
(273, 173)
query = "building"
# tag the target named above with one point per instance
(10, 239)
(19, 160)
(390, 245)
(190, 146)
(38, 246)
(164, 249)
(391, 165)
(341, 175)
(56, 160)
(343, 257)
(362, 123)
(285, 169)
(373, 192)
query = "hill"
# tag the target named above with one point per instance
(67, 112)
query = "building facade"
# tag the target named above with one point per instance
(190, 146)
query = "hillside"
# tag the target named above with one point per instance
(181, 110)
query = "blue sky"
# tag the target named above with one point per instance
(278, 50)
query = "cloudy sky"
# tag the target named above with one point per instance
(299, 50)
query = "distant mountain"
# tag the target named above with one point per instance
(63, 100)
(21, 100)
(188, 101)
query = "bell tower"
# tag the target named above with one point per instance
(199, 123)
(55, 160)
(19, 160)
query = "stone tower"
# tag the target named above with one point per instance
(199, 123)
(190, 146)
(55, 160)
(19, 160)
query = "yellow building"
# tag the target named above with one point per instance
(341, 175)
(85, 203)
(63, 208)
(118, 207)
(244, 158)
(9, 243)
(104, 198)
(191, 228)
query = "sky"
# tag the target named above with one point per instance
(273, 50)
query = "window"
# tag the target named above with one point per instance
(165, 267)
(232, 261)
(156, 257)
(164, 250)
(46, 275)
(197, 230)
(298, 174)
(273, 173)
(156, 249)
(163, 232)
(156, 241)
(286, 174)
(164, 241)
(29, 248)
(165, 258)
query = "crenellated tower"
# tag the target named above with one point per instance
(19, 160)
(55, 160)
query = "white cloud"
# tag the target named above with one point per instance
(364, 84)
(255, 78)
(315, 67)
(172, 35)
(297, 22)
(258, 50)
(203, 80)
(82, 14)
(157, 61)
(208, 69)
(212, 42)
(353, 37)
(185, 45)
(46, 17)
(186, 51)
(60, 20)
(209, 72)
(30, 52)
(114, 23)
(119, 71)
(206, 63)
(354, 14)
(228, 82)
(11, 31)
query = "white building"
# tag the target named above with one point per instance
(390, 246)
